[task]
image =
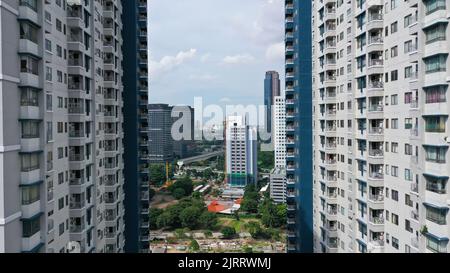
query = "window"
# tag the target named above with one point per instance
(30, 227)
(48, 45)
(393, 4)
(49, 131)
(61, 203)
(30, 129)
(394, 51)
(408, 149)
(32, 4)
(59, 51)
(394, 75)
(29, 162)
(435, 124)
(48, 73)
(394, 99)
(436, 185)
(434, 5)
(436, 215)
(394, 147)
(394, 220)
(60, 152)
(435, 33)
(408, 175)
(408, 72)
(435, 154)
(394, 171)
(395, 242)
(394, 123)
(49, 102)
(435, 94)
(28, 32)
(408, 123)
(29, 97)
(30, 194)
(436, 246)
(394, 196)
(394, 27)
(29, 64)
(436, 63)
(61, 229)
(58, 25)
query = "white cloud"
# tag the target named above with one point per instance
(205, 57)
(238, 59)
(267, 26)
(168, 63)
(203, 77)
(275, 52)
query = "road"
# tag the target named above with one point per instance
(189, 160)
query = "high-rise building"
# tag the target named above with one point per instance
(160, 136)
(271, 90)
(277, 185)
(241, 152)
(279, 132)
(183, 148)
(60, 128)
(381, 118)
(136, 125)
(299, 152)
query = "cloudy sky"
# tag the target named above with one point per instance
(216, 49)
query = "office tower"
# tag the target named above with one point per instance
(299, 125)
(271, 90)
(135, 102)
(381, 118)
(277, 185)
(183, 148)
(279, 132)
(61, 137)
(241, 152)
(160, 136)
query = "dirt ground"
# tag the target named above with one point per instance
(162, 201)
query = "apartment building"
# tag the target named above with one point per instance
(60, 138)
(380, 125)
(160, 135)
(241, 152)
(279, 132)
(299, 152)
(136, 125)
(277, 185)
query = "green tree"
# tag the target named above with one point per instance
(190, 216)
(157, 174)
(184, 183)
(255, 229)
(208, 220)
(179, 193)
(228, 232)
(194, 246)
(153, 217)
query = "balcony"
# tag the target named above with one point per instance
(377, 220)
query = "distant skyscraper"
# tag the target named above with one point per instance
(279, 131)
(241, 152)
(160, 136)
(183, 148)
(299, 154)
(135, 98)
(271, 90)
